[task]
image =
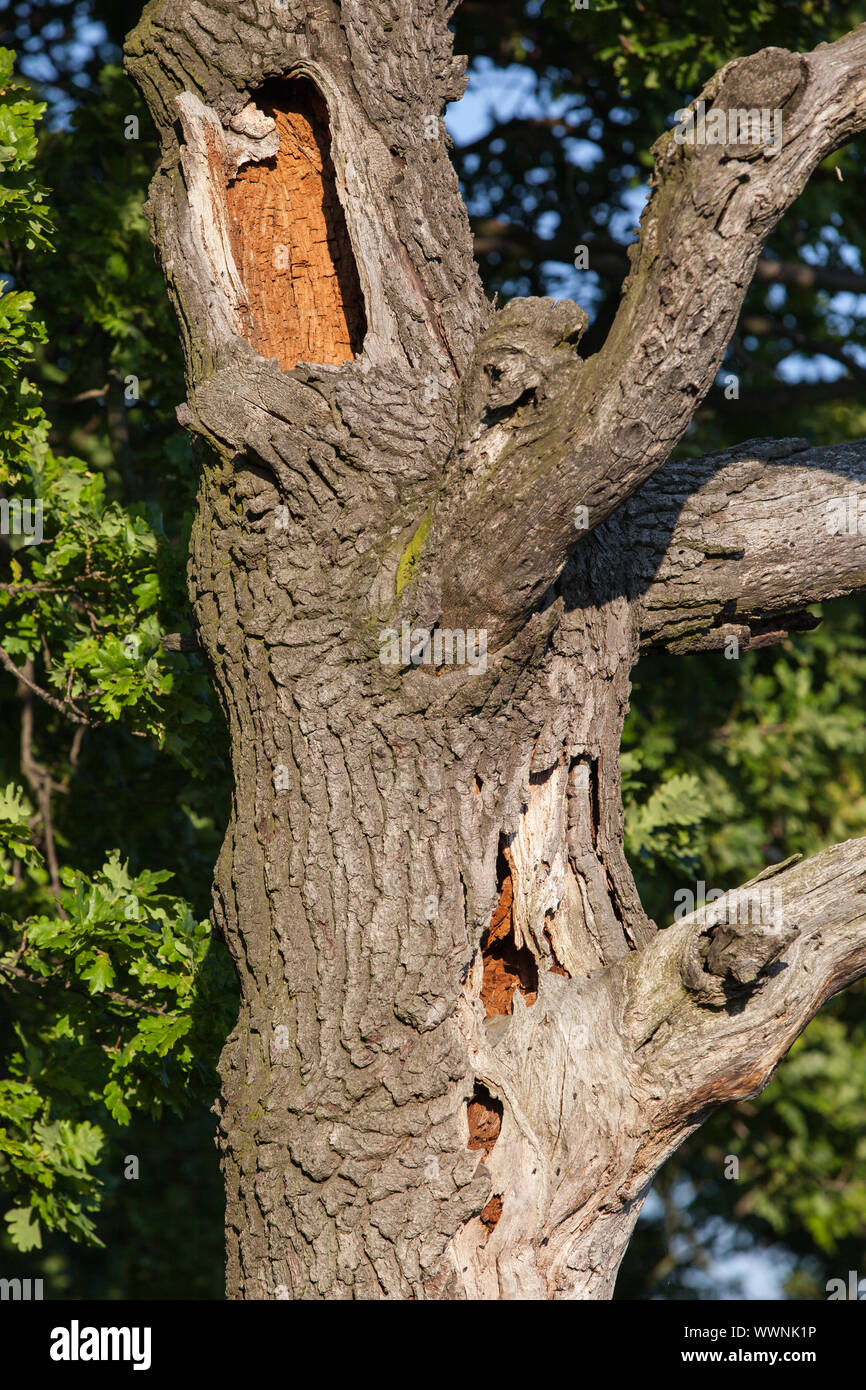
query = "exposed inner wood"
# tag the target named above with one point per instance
(491, 1213)
(506, 967)
(485, 1119)
(289, 238)
(556, 967)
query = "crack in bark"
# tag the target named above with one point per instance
(507, 967)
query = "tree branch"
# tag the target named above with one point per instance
(46, 982)
(40, 781)
(540, 442)
(63, 707)
(809, 277)
(740, 544)
(719, 997)
(638, 1055)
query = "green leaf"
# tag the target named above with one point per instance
(24, 1229)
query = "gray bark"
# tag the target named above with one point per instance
(740, 544)
(462, 1049)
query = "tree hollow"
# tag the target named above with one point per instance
(290, 241)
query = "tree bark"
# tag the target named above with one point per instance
(463, 1050)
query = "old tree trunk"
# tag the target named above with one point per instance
(463, 1050)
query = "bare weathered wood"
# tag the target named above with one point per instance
(462, 1050)
(637, 1058)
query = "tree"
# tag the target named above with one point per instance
(771, 743)
(463, 1050)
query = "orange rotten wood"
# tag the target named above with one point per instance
(507, 967)
(290, 241)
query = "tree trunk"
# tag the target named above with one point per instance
(463, 1050)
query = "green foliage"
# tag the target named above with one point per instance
(120, 1008)
(112, 330)
(649, 46)
(98, 590)
(17, 849)
(662, 828)
(800, 1130)
(24, 216)
(97, 594)
(770, 748)
(119, 997)
(25, 222)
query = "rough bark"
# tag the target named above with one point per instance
(740, 544)
(462, 1049)
(594, 431)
